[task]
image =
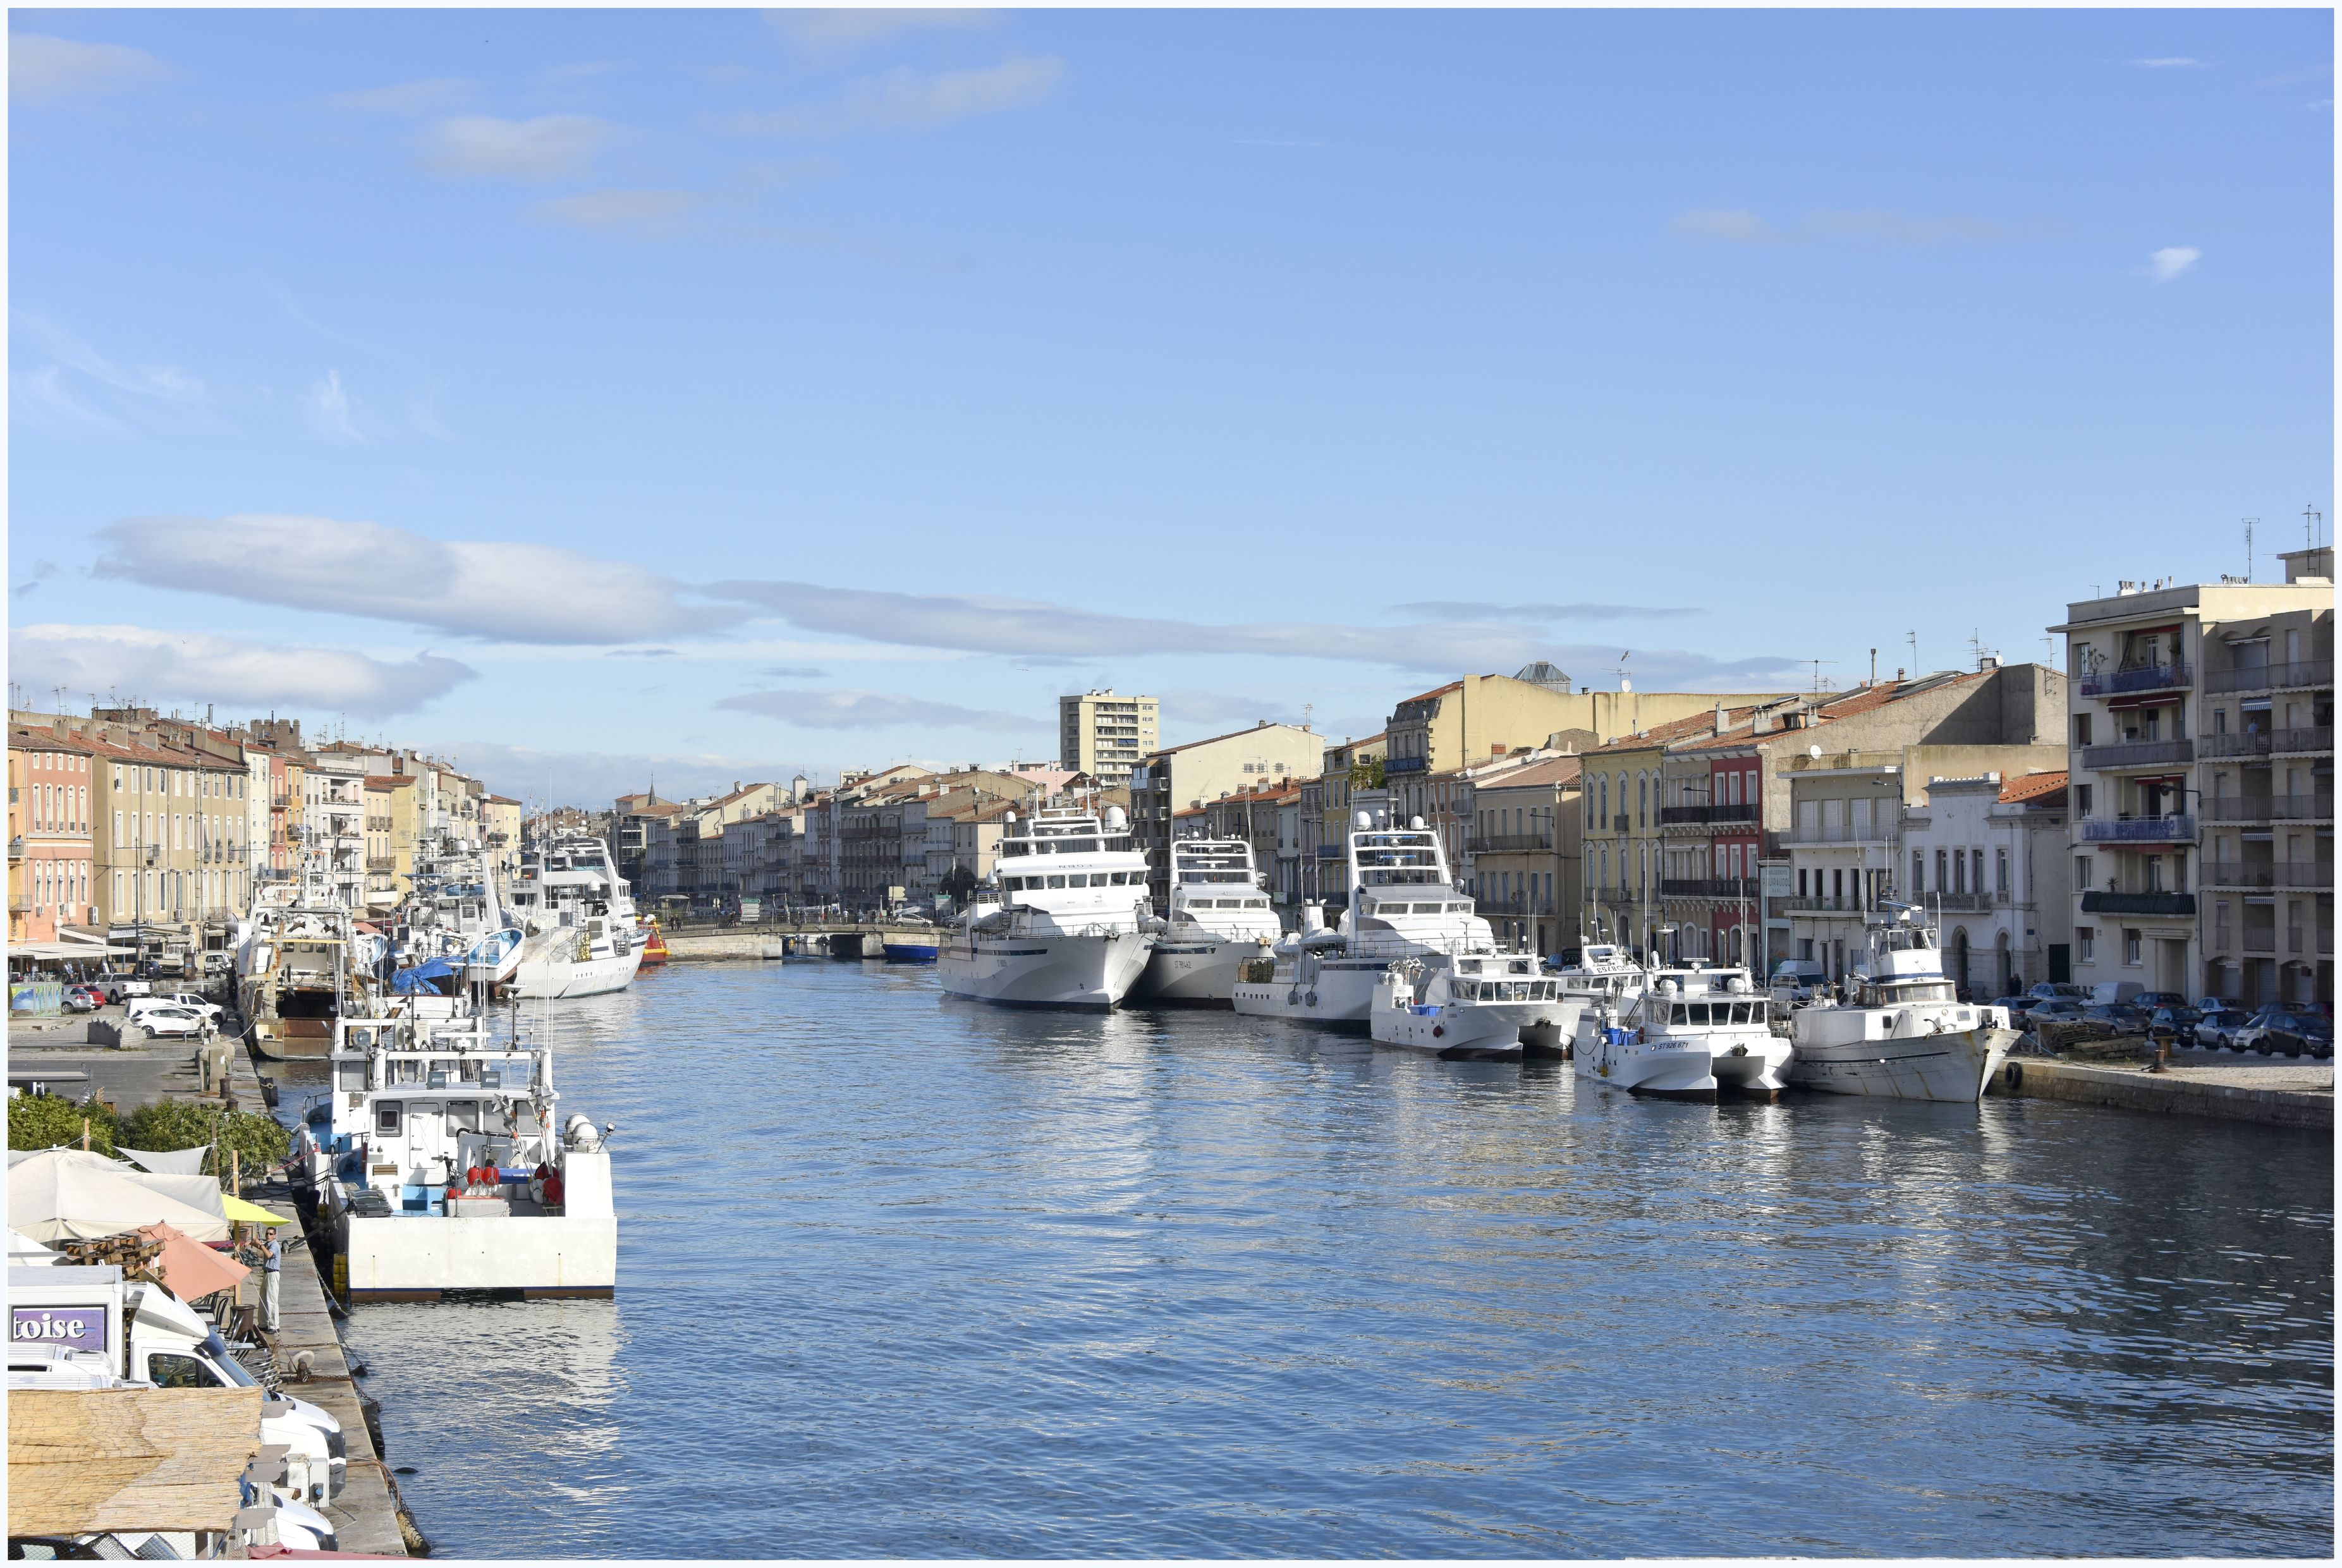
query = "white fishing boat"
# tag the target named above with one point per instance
(440, 1162)
(1403, 903)
(455, 916)
(1478, 1006)
(1903, 1033)
(581, 936)
(1066, 928)
(1686, 1033)
(1220, 918)
(300, 967)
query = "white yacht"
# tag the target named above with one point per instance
(455, 916)
(1481, 1005)
(1685, 1035)
(1066, 930)
(580, 934)
(440, 1162)
(1220, 918)
(1903, 1033)
(1403, 905)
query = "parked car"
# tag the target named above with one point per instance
(120, 988)
(2151, 1000)
(2215, 1004)
(82, 999)
(2216, 1025)
(2280, 1031)
(211, 1009)
(2018, 1007)
(2176, 1025)
(162, 1019)
(2055, 1010)
(2126, 1018)
(2055, 989)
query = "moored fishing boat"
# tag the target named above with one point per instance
(1476, 1006)
(1904, 1034)
(580, 923)
(1687, 1033)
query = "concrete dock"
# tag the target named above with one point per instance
(135, 1074)
(2279, 1092)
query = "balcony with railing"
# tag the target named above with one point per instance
(1697, 816)
(2136, 678)
(2267, 743)
(1821, 903)
(2250, 875)
(1405, 764)
(2269, 808)
(2171, 905)
(1731, 887)
(2138, 754)
(1844, 833)
(2176, 829)
(1510, 843)
(2271, 678)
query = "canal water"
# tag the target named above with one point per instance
(906, 1276)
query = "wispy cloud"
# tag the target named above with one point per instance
(81, 388)
(1871, 226)
(42, 572)
(2168, 63)
(841, 32)
(2171, 261)
(1480, 610)
(636, 212)
(794, 672)
(548, 147)
(850, 709)
(429, 95)
(42, 69)
(524, 593)
(595, 778)
(327, 406)
(197, 666)
(908, 100)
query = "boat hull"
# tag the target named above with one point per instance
(1476, 1030)
(1339, 995)
(1196, 974)
(564, 976)
(911, 950)
(1953, 1067)
(1091, 972)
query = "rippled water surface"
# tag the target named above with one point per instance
(905, 1276)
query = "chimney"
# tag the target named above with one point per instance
(1719, 718)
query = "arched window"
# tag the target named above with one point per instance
(1642, 800)
(1602, 816)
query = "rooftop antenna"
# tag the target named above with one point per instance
(1912, 637)
(2310, 518)
(2249, 547)
(1818, 664)
(1620, 670)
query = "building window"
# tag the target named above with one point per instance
(2081, 800)
(1918, 873)
(2086, 941)
(2082, 873)
(2081, 729)
(2131, 945)
(2000, 872)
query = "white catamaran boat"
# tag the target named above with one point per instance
(1685, 1035)
(1903, 1035)
(581, 936)
(1066, 930)
(1220, 918)
(1403, 905)
(1491, 1005)
(440, 1162)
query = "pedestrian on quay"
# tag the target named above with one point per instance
(271, 1269)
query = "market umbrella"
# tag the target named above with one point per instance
(192, 1270)
(168, 1161)
(64, 1194)
(244, 1214)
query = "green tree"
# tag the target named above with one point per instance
(258, 1140)
(1366, 775)
(50, 1121)
(957, 883)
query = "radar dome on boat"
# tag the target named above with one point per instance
(1366, 819)
(1114, 819)
(1415, 822)
(1008, 816)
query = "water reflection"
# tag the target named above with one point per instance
(905, 1276)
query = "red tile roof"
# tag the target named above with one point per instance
(2032, 786)
(1536, 775)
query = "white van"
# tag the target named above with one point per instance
(1796, 981)
(2112, 990)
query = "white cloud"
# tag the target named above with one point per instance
(595, 778)
(981, 623)
(860, 710)
(2171, 261)
(80, 388)
(525, 592)
(642, 212)
(550, 148)
(837, 31)
(44, 70)
(327, 406)
(1480, 610)
(1870, 226)
(195, 667)
(426, 97)
(907, 100)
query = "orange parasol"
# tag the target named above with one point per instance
(192, 1270)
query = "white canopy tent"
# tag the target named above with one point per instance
(64, 1194)
(170, 1161)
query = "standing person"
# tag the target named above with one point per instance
(271, 1267)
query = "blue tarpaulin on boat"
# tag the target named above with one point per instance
(423, 977)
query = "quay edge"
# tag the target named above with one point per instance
(2134, 1089)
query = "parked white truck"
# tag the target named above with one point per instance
(71, 1324)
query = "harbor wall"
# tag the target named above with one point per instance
(2164, 1093)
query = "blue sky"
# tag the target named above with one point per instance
(736, 392)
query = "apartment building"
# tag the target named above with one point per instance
(2202, 795)
(1180, 778)
(500, 819)
(1525, 847)
(1349, 776)
(1621, 815)
(1986, 856)
(332, 832)
(1103, 734)
(50, 848)
(393, 825)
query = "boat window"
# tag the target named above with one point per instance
(361, 1037)
(1097, 879)
(1056, 881)
(463, 1115)
(168, 1371)
(386, 1117)
(349, 1074)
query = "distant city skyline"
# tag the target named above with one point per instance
(719, 394)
